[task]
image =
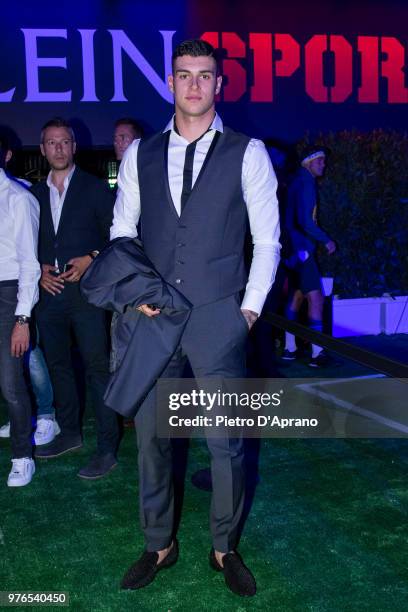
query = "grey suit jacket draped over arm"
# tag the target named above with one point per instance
(120, 279)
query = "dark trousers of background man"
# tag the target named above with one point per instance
(12, 383)
(57, 316)
(214, 343)
(262, 351)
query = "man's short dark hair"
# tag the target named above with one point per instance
(196, 48)
(58, 122)
(135, 125)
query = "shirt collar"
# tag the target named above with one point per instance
(6, 179)
(67, 179)
(215, 125)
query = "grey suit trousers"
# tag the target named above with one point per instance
(214, 344)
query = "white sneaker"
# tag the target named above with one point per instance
(21, 472)
(5, 430)
(46, 431)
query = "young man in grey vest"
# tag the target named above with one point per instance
(194, 186)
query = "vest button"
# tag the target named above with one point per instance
(180, 244)
(179, 281)
(179, 262)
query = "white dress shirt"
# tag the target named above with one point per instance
(259, 190)
(19, 214)
(57, 199)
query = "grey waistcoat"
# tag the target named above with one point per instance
(201, 252)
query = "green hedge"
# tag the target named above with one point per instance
(364, 207)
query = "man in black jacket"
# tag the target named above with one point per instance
(76, 212)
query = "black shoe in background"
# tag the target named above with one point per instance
(202, 479)
(289, 355)
(323, 360)
(59, 446)
(98, 466)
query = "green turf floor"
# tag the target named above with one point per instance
(327, 531)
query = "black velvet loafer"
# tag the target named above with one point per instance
(144, 571)
(237, 576)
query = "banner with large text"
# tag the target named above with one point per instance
(288, 67)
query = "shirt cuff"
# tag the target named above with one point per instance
(23, 309)
(27, 297)
(253, 300)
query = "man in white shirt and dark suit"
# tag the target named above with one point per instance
(19, 275)
(76, 213)
(194, 186)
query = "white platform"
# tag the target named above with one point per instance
(370, 316)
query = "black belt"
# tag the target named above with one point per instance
(9, 283)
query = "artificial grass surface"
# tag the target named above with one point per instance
(327, 531)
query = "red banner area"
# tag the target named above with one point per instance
(334, 68)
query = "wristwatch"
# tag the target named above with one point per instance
(22, 320)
